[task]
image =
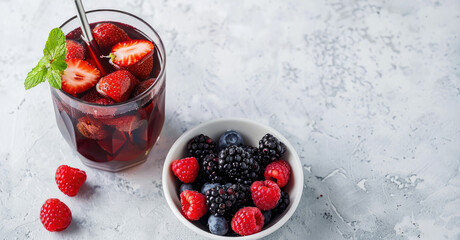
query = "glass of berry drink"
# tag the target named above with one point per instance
(107, 134)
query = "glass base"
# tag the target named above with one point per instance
(113, 166)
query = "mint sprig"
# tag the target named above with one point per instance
(52, 64)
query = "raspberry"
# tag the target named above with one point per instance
(265, 194)
(193, 204)
(69, 180)
(55, 215)
(279, 172)
(247, 221)
(186, 169)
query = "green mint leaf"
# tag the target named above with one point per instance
(43, 61)
(55, 46)
(52, 64)
(54, 78)
(37, 74)
(59, 64)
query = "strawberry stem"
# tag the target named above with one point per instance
(112, 57)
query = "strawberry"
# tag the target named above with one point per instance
(149, 108)
(107, 35)
(74, 50)
(117, 85)
(79, 76)
(94, 97)
(125, 123)
(91, 61)
(114, 144)
(140, 135)
(75, 34)
(143, 68)
(91, 128)
(134, 55)
(129, 152)
(142, 86)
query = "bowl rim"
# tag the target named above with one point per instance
(295, 163)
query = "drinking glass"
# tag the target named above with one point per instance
(121, 135)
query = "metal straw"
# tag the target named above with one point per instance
(83, 21)
(88, 36)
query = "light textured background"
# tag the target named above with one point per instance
(367, 91)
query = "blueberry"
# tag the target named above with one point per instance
(208, 186)
(217, 225)
(229, 138)
(267, 216)
(186, 186)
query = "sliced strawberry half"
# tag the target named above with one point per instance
(79, 76)
(112, 145)
(108, 34)
(74, 50)
(134, 55)
(117, 85)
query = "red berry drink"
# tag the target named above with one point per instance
(111, 106)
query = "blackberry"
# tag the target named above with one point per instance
(210, 168)
(244, 195)
(282, 203)
(199, 146)
(267, 216)
(253, 151)
(270, 149)
(226, 200)
(238, 165)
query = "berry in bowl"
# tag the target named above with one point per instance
(232, 178)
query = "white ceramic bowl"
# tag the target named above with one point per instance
(251, 133)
